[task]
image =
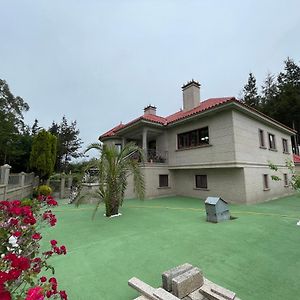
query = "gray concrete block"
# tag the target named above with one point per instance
(167, 276)
(186, 283)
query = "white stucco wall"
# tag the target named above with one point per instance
(225, 183)
(246, 141)
(221, 148)
(152, 189)
(255, 188)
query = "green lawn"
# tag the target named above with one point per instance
(257, 255)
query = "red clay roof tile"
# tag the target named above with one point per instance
(204, 105)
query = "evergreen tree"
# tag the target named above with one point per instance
(43, 154)
(250, 96)
(35, 127)
(11, 121)
(287, 108)
(68, 143)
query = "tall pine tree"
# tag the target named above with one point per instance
(68, 143)
(250, 95)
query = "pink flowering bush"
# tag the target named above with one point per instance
(21, 260)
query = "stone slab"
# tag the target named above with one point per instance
(215, 292)
(142, 287)
(167, 276)
(141, 298)
(162, 294)
(186, 283)
(196, 295)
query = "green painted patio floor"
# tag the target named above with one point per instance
(257, 255)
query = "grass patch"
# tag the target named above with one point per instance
(256, 255)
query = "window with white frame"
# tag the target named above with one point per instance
(272, 142)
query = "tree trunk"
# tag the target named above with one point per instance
(113, 207)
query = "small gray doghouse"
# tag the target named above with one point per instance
(217, 209)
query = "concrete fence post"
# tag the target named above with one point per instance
(22, 183)
(5, 170)
(62, 186)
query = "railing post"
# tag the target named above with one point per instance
(62, 186)
(5, 170)
(22, 183)
(145, 131)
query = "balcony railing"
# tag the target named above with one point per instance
(154, 156)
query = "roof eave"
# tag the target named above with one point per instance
(242, 107)
(138, 123)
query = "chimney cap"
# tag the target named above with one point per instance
(149, 106)
(191, 82)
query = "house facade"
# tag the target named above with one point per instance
(218, 147)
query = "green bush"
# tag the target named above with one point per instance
(44, 190)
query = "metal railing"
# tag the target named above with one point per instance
(156, 156)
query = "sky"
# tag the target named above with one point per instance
(101, 62)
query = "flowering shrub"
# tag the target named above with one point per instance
(21, 261)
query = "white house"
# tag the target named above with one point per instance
(216, 147)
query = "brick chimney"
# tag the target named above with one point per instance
(191, 94)
(150, 110)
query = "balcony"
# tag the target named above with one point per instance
(155, 156)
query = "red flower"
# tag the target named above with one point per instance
(17, 234)
(53, 242)
(63, 249)
(48, 294)
(63, 295)
(5, 295)
(36, 236)
(35, 293)
(15, 202)
(26, 211)
(11, 256)
(15, 210)
(14, 274)
(29, 220)
(3, 278)
(53, 280)
(52, 202)
(21, 263)
(43, 279)
(13, 222)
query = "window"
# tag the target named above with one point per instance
(272, 144)
(118, 147)
(261, 138)
(201, 181)
(266, 181)
(286, 179)
(285, 146)
(163, 180)
(193, 138)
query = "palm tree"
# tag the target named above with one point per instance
(114, 166)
